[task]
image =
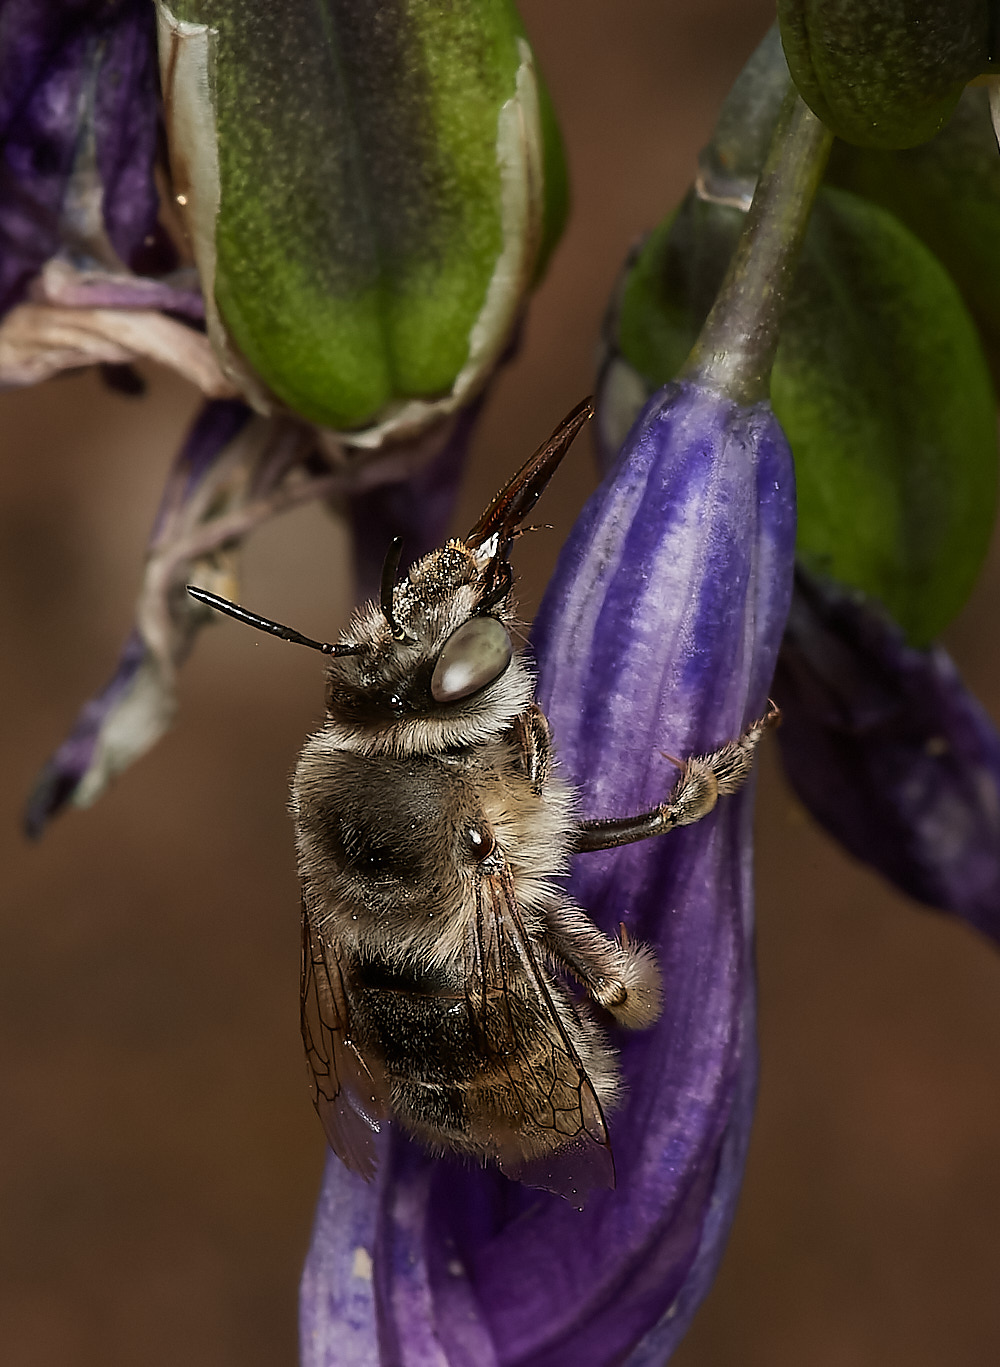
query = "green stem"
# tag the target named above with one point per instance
(735, 349)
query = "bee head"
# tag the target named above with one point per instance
(431, 665)
(435, 666)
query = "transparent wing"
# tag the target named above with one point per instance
(348, 1096)
(554, 1095)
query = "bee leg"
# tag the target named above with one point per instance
(703, 779)
(534, 745)
(622, 977)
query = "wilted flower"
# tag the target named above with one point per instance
(236, 471)
(659, 631)
(368, 205)
(137, 705)
(890, 752)
(87, 275)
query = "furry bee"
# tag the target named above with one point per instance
(438, 951)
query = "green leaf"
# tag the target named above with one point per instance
(879, 383)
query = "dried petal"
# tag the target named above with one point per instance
(67, 286)
(38, 341)
(890, 752)
(137, 706)
(130, 711)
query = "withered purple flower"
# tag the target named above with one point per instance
(890, 752)
(87, 273)
(137, 704)
(78, 100)
(659, 632)
(235, 471)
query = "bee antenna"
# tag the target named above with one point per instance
(265, 624)
(389, 571)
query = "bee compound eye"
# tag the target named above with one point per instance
(472, 657)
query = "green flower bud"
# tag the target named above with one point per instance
(879, 383)
(370, 190)
(946, 191)
(884, 73)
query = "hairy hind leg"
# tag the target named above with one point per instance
(618, 975)
(703, 779)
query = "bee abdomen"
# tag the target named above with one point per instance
(480, 1077)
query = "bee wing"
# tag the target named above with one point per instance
(346, 1094)
(552, 1086)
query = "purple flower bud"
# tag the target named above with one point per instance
(659, 632)
(889, 751)
(78, 114)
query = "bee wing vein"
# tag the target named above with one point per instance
(344, 1091)
(584, 1119)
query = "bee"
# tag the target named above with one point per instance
(448, 982)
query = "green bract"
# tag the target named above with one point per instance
(370, 189)
(879, 384)
(884, 73)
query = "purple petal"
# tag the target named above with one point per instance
(62, 775)
(213, 429)
(44, 51)
(126, 114)
(659, 631)
(338, 1295)
(52, 54)
(62, 285)
(889, 751)
(137, 705)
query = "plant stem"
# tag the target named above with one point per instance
(735, 349)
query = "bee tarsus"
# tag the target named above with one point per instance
(703, 780)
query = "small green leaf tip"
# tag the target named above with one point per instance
(369, 189)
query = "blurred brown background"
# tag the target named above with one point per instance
(159, 1153)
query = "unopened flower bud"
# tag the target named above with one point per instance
(884, 73)
(369, 190)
